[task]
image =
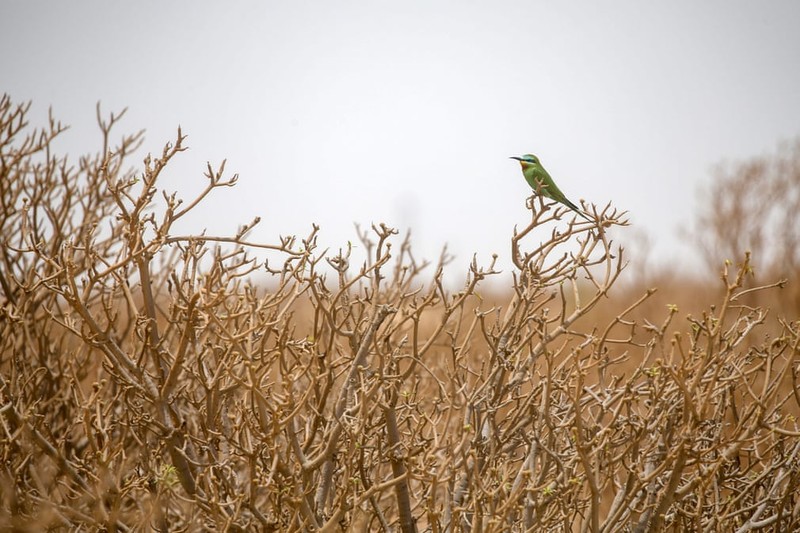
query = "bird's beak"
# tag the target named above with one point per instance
(515, 157)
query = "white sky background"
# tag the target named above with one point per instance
(407, 112)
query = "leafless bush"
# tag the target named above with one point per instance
(147, 382)
(754, 206)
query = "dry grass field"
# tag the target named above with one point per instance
(150, 380)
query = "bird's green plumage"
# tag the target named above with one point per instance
(541, 182)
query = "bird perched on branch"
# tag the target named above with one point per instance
(541, 182)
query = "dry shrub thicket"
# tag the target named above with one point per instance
(146, 381)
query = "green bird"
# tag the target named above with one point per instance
(538, 178)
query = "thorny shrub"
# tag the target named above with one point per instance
(146, 380)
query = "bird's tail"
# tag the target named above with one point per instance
(576, 209)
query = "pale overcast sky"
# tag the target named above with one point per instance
(407, 112)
